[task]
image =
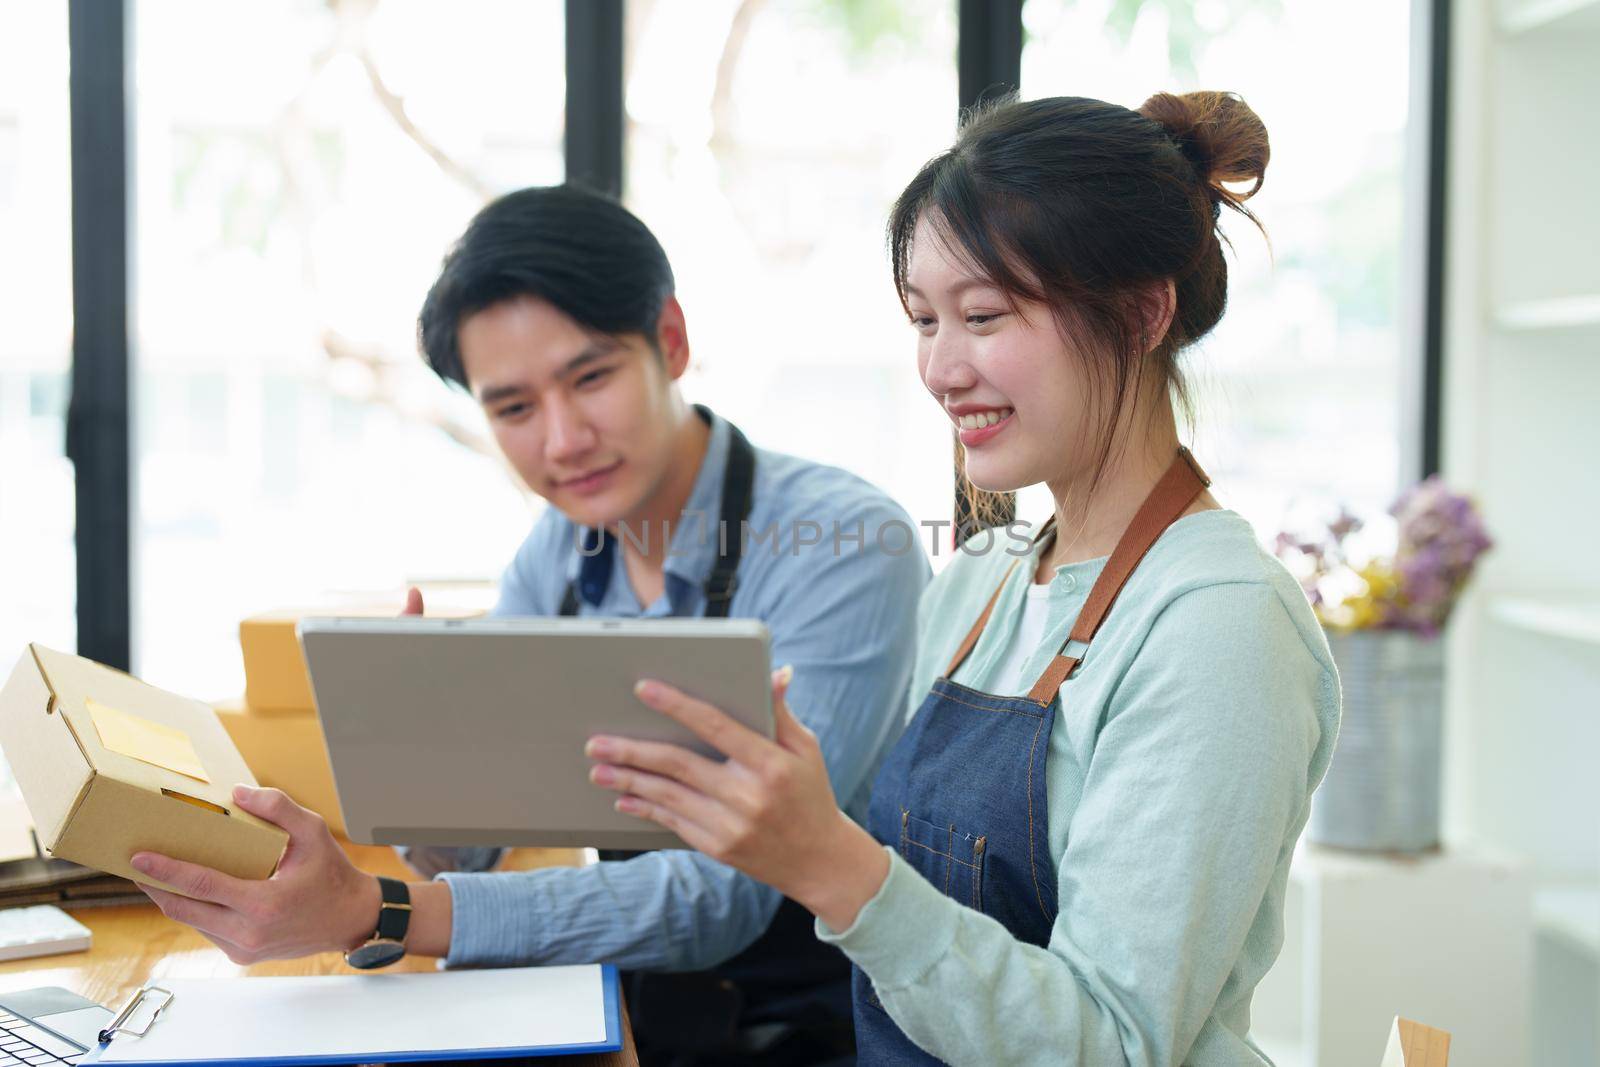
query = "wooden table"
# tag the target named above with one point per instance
(134, 943)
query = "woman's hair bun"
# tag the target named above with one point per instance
(1218, 133)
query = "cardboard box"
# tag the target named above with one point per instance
(275, 676)
(1412, 1044)
(110, 766)
(285, 750)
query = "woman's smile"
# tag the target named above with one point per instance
(977, 426)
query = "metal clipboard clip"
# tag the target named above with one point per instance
(129, 1008)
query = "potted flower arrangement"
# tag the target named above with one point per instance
(1384, 612)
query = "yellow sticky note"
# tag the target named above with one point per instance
(149, 742)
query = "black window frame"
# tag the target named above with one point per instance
(100, 441)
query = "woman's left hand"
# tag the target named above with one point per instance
(768, 811)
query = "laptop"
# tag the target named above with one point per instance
(48, 1025)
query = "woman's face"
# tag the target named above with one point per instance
(1014, 388)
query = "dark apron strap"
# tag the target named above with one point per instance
(738, 495)
(569, 600)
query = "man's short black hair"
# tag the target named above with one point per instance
(582, 252)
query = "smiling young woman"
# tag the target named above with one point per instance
(1077, 851)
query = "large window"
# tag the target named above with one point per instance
(1298, 387)
(766, 143)
(37, 581)
(302, 167)
(772, 202)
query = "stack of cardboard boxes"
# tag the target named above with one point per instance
(275, 725)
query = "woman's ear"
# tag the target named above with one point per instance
(1155, 307)
(672, 339)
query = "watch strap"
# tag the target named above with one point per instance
(394, 916)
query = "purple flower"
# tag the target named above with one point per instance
(1439, 538)
(1345, 525)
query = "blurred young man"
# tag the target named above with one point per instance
(556, 311)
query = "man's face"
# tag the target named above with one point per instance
(586, 419)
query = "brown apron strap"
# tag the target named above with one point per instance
(973, 634)
(1049, 683)
(1179, 486)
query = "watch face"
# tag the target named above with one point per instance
(379, 953)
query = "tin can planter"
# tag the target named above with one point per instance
(1381, 792)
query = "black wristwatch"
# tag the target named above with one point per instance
(388, 942)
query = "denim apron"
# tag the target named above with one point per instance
(962, 796)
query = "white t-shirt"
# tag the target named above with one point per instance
(1030, 632)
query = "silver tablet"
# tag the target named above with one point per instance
(471, 731)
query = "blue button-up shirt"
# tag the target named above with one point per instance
(834, 568)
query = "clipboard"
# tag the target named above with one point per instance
(367, 1018)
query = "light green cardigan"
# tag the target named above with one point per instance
(1179, 776)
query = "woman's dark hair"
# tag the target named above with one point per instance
(582, 252)
(1086, 207)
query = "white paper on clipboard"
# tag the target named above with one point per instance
(332, 1018)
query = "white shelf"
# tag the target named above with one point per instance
(1526, 16)
(1571, 913)
(1563, 312)
(1443, 938)
(1567, 618)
